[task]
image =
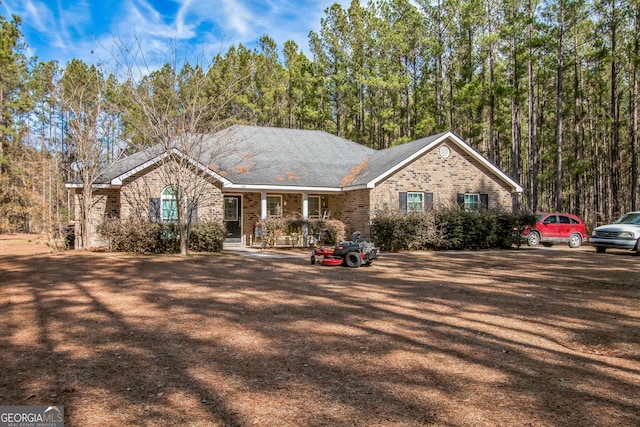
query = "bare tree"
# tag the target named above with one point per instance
(177, 112)
(82, 96)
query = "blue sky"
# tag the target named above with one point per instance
(61, 30)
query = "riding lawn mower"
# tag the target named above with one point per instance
(352, 253)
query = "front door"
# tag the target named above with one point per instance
(232, 216)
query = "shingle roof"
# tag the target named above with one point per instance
(285, 157)
(265, 157)
(128, 163)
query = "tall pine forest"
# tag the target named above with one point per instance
(546, 90)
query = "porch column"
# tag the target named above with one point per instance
(263, 205)
(305, 215)
(305, 206)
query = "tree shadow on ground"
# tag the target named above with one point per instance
(491, 338)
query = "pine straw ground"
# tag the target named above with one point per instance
(528, 337)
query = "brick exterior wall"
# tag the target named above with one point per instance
(138, 189)
(131, 200)
(106, 204)
(354, 209)
(251, 213)
(445, 178)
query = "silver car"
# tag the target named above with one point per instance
(624, 233)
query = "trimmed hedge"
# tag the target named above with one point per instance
(152, 237)
(448, 229)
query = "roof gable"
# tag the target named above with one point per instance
(390, 160)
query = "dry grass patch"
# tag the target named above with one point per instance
(527, 337)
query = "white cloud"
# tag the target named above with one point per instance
(38, 16)
(65, 29)
(139, 15)
(182, 16)
(33, 11)
(237, 17)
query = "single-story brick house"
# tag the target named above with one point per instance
(280, 172)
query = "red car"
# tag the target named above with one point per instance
(556, 227)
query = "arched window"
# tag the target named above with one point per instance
(169, 205)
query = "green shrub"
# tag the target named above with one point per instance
(391, 231)
(336, 231)
(516, 222)
(207, 236)
(130, 235)
(448, 229)
(150, 237)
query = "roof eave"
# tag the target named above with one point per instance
(80, 185)
(356, 187)
(281, 188)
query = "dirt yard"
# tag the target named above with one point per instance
(529, 337)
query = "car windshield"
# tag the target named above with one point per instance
(630, 218)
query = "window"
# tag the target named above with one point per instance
(165, 207)
(314, 207)
(274, 206)
(472, 202)
(415, 201)
(169, 205)
(230, 209)
(564, 219)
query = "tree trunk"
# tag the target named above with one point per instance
(634, 112)
(614, 166)
(86, 203)
(516, 161)
(559, 93)
(1, 127)
(440, 116)
(492, 140)
(532, 117)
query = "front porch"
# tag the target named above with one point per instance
(244, 210)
